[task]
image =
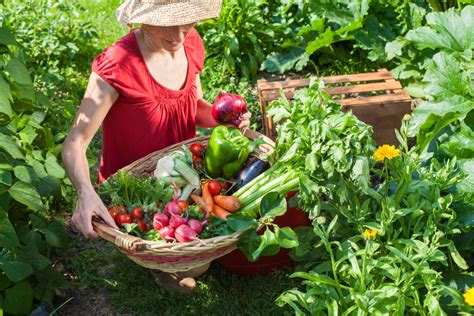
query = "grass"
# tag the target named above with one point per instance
(129, 287)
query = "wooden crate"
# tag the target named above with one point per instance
(384, 110)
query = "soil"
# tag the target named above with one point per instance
(82, 300)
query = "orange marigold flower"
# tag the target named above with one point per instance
(370, 233)
(469, 297)
(386, 152)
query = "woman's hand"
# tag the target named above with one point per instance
(90, 205)
(245, 120)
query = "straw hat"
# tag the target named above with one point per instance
(167, 12)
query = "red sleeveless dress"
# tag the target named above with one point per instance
(146, 116)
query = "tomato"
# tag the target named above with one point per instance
(136, 213)
(198, 162)
(197, 149)
(113, 213)
(123, 219)
(214, 187)
(142, 226)
(224, 185)
(182, 204)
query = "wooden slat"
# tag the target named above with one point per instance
(399, 94)
(296, 83)
(368, 87)
(376, 99)
(382, 74)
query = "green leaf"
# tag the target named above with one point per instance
(53, 168)
(28, 134)
(8, 145)
(15, 270)
(360, 172)
(286, 237)
(18, 299)
(26, 194)
(5, 177)
(429, 118)
(467, 167)
(25, 174)
(458, 259)
(6, 36)
(49, 185)
(448, 30)
(295, 58)
(332, 307)
(248, 242)
(29, 253)
(403, 257)
(56, 236)
(445, 77)
(21, 79)
(8, 237)
(238, 222)
(5, 100)
(460, 144)
(268, 245)
(394, 48)
(319, 279)
(272, 205)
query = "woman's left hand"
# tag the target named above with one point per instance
(245, 120)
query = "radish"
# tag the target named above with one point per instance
(184, 233)
(177, 220)
(160, 220)
(196, 225)
(167, 233)
(228, 108)
(172, 207)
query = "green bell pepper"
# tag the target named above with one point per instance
(227, 151)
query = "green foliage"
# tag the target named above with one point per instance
(443, 124)
(411, 204)
(32, 185)
(331, 29)
(238, 41)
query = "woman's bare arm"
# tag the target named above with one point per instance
(98, 100)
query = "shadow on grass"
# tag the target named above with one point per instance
(126, 288)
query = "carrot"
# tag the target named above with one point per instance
(199, 201)
(207, 197)
(220, 212)
(227, 202)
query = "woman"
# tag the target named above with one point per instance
(146, 93)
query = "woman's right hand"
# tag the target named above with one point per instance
(90, 205)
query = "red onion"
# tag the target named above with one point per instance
(196, 225)
(177, 220)
(184, 233)
(167, 233)
(160, 220)
(228, 108)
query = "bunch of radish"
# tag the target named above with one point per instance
(173, 224)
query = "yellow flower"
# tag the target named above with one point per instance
(370, 233)
(406, 117)
(469, 297)
(386, 152)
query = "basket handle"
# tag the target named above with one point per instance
(123, 241)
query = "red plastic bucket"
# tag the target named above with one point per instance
(237, 263)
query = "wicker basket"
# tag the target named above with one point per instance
(172, 257)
